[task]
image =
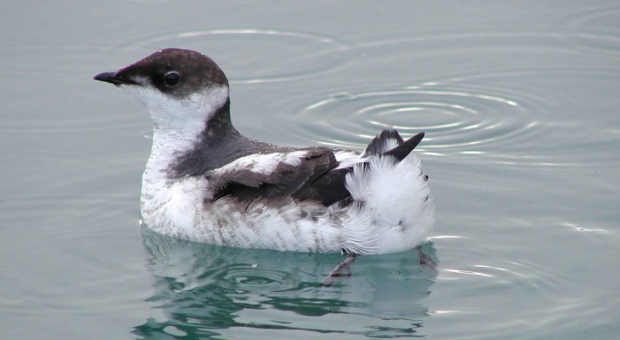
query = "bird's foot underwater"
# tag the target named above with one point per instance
(341, 272)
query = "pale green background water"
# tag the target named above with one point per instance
(519, 101)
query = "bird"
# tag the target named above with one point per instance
(206, 182)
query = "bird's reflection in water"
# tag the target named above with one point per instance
(206, 291)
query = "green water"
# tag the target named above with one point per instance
(519, 101)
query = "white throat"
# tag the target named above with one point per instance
(181, 117)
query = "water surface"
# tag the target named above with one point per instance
(519, 102)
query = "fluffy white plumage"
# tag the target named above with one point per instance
(397, 202)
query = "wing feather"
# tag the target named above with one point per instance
(303, 175)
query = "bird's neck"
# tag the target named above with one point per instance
(175, 152)
(167, 147)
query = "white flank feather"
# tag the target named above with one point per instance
(393, 197)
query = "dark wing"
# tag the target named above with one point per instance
(314, 178)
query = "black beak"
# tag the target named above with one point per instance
(113, 78)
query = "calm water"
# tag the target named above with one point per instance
(519, 102)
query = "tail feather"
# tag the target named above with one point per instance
(402, 150)
(388, 139)
(389, 142)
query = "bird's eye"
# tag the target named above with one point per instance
(172, 79)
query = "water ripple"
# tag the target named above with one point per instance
(455, 119)
(250, 278)
(269, 55)
(593, 29)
